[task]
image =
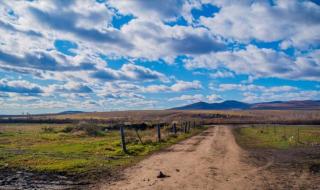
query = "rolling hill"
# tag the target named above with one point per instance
(236, 105)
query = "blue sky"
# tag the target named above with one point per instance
(122, 55)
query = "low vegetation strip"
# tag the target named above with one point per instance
(278, 136)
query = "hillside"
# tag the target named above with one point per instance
(236, 105)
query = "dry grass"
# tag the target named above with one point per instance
(205, 116)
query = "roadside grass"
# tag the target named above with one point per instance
(51, 148)
(277, 136)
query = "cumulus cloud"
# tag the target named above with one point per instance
(70, 87)
(244, 21)
(214, 98)
(281, 96)
(222, 74)
(129, 72)
(192, 44)
(35, 60)
(261, 62)
(188, 98)
(259, 93)
(252, 87)
(20, 86)
(198, 98)
(66, 22)
(155, 9)
(177, 87)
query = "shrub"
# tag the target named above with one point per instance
(48, 129)
(67, 129)
(90, 129)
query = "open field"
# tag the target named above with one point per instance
(167, 116)
(47, 148)
(278, 136)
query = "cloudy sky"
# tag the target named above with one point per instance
(98, 55)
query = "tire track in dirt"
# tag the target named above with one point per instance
(210, 160)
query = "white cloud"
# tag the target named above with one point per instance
(281, 96)
(244, 21)
(20, 87)
(261, 63)
(222, 74)
(214, 98)
(179, 86)
(188, 98)
(198, 98)
(252, 87)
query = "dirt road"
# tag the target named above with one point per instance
(211, 160)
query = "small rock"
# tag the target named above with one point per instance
(177, 170)
(162, 175)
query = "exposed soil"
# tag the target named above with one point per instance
(213, 160)
(291, 169)
(22, 179)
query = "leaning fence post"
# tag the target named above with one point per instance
(159, 132)
(123, 140)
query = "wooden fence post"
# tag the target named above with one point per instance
(123, 140)
(174, 128)
(185, 127)
(189, 126)
(159, 132)
(298, 139)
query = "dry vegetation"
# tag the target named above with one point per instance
(167, 116)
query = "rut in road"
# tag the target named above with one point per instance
(210, 160)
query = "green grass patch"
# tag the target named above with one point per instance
(277, 136)
(54, 149)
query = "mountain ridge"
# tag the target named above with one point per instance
(237, 105)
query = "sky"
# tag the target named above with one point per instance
(106, 55)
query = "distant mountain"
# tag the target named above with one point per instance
(226, 105)
(287, 105)
(236, 105)
(69, 112)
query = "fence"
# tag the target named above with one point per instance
(160, 132)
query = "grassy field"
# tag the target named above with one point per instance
(167, 116)
(277, 136)
(55, 148)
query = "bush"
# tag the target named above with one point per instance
(48, 129)
(90, 129)
(67, 129)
